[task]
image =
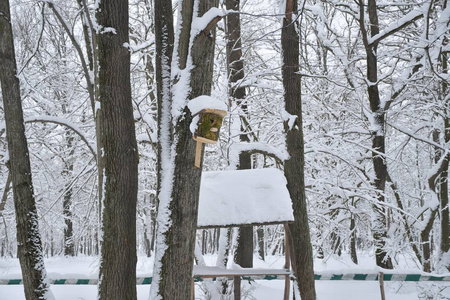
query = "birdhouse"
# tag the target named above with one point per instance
(208, 126)
(208, 129)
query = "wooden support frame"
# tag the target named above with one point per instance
(237, 274)
(198, 155)
(381, 281)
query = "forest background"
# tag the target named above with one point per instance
(375, 119)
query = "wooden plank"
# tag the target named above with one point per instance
(211, 272)
(246, 224)
(243, 277)
(203, 140)
(198, 155)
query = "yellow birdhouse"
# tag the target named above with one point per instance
(208, 126)
(208, 129)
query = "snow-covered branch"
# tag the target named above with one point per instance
(259, 147)
(62, 122)
(416, 137)
(77, 46)
(205, 23)
(396, 26)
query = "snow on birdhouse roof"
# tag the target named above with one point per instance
(244, 197)
(202, 102)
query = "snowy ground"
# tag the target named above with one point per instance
(86, 267)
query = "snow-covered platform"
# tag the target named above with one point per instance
(244, 197)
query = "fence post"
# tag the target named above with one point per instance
(381, 280)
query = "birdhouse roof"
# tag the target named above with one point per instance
(204, 102)
(244, 197)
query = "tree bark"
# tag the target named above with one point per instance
(29, 242)
(175, 271)
(443, 197)
(120, 157)
(164, 52)
(302, 258)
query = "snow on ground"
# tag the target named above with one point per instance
(86, 267)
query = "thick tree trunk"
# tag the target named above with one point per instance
(28, 236)
(176, 263)
(164, 52)
(120, 156)
(302, 258)
(443, 197)
(163, 16)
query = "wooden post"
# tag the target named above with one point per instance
(198, 155)
(381, 280)
(237, 287)
(289, 239)
(287, 262)
(192, 289)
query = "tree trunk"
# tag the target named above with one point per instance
(235, 68)
(29, 242)
(261, 243)
(69, 246)
(145, 227)
(378, 135)
(90, 40)
(164, 52)
(243, 255)
(443, 195)
(302, 258)
(353, 252)
(120, 157)
(173, 269)
(441, 166)
(153, 213)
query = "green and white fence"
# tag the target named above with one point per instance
(356, 277)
